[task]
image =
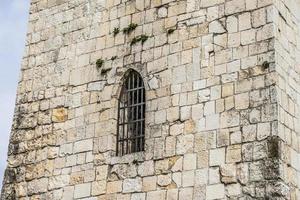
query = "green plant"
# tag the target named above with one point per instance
(170, 31)
(265, 65)
(116, 31)
(131, 27)
(142, 38)
(99, 63)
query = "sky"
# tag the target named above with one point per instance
(13, 27)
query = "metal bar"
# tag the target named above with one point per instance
(133, 105)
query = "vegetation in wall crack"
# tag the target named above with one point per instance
(170, 31)
(116, 31)
(113, 58)
(265, 65)
(99, 63)
(131, 27)
(142, 38)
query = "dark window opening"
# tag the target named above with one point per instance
(131, 115)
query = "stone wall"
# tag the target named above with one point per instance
(214, 100)
(287, 45)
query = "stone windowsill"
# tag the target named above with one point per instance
(129, 158)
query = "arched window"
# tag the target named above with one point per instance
(131, 115)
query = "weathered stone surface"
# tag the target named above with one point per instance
(215, 191)
(228, 173)
(59, 115)
(222, 107)
(132, 185)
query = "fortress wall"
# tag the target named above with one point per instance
(210, 72)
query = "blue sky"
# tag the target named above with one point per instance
(13, 23)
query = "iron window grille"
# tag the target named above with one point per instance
(131, 115)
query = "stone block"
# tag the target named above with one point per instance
(82, 190)
(215, 192)
(59, 115)
(132, 185)
(217, 157)
(83, 146)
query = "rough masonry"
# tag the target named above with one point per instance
(223, 101)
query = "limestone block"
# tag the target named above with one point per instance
(37, 186)
(149, 183)
(58, 181)
(214, 175)
(233, 154)
(188, 178)
(234, 189)
(204, 95)
(242, 101)
(176, 129)
(189, 161)
(170, 148)
(21, 189)
(212, 122)
(185, 113)
(164, 180)
(176, 164)
(212, 13)
(227, 90)
(162, 12)
(98, 187)
(27, 121)
(146, 168)
(186, 193)
(177, 178)
(138, 196)
(83, 146)
(209, 3)
(157, 195)
(228, 173)
(230, 119)
(160, 116)
(209, 108)
(255, 172)
(184, 144)
(68, 193)
(177, 9)
(82, 190)
(153, 83)
(179, 75)
(263, 130)
(96, 86)
(234, 6)
(259, 17)
(244, 21)
(217, 157)
(232, 24)
(114, 187)
(215, 191)
(216, 27)
(132, 185)
(59, 115)
(172, 194)
(248, 36)
(201, 176)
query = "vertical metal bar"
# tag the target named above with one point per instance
(143, 117)
(128, 111)
(133, 112)
(124, 119)
(118, 124)
(138, 115)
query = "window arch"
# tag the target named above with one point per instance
(131, 115)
